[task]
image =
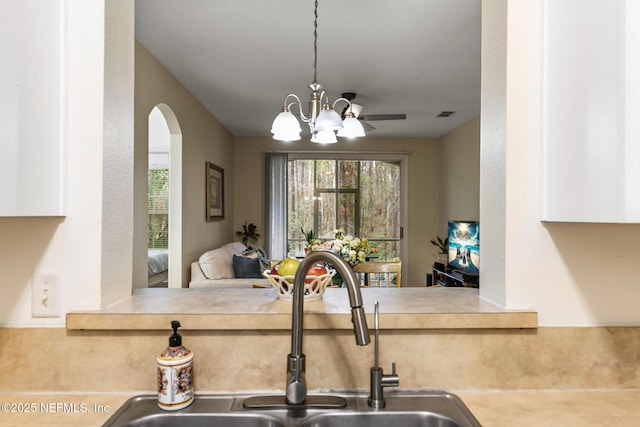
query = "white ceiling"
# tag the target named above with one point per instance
(240, 58)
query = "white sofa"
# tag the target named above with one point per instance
(215, 269)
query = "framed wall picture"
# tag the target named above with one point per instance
(215, 192)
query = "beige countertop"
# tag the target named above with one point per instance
(238, 309)
(492, 408)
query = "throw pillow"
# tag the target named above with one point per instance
(246, 268)
(260, 254)
(217, 263)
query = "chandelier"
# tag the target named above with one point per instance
(323, 120)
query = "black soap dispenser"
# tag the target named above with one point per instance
(175, 374)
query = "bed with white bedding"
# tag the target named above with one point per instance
(158, 266)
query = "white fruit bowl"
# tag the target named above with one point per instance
(314, 286)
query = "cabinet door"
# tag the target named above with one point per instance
(31, 111)
(590, 111)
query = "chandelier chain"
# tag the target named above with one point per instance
(324, 123)
(315, 44)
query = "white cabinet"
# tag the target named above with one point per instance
(32, 109)
(591, 111)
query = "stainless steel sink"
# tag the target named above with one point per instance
(384, 419)
(209, 420)
(405, 408)
(206, 410)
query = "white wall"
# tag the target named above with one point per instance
(590, 120)
(159, 139)
(31, 163)
(572, 274)
(117, 161)
(492, 150)
(69, 246)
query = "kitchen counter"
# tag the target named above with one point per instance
(554, 408)
(492, 408)
(247, 309)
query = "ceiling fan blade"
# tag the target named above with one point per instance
(372, 117)
(367, 127)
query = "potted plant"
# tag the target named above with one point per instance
(248, 232)
(443, 248)
(311, 239)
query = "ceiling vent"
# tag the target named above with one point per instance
(445, 113)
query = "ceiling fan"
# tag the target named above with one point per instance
(356, 109)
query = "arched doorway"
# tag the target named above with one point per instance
(164, 206)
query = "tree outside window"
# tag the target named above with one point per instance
(360, 196)
(158, 208)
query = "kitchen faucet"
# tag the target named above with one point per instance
(296, 391)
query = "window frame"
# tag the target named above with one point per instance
(401, 157)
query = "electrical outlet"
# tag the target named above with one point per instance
(45, 295)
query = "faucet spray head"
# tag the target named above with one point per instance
(360, 326)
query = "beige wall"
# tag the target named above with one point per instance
(203, 139)
(460, 174)
(125, 361)
(423, 193)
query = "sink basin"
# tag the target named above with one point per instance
(206, 410)
(405, 408)
(209, 420)
(381, 419)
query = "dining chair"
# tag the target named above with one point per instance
(380, 273)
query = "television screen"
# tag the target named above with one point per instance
(464, 246)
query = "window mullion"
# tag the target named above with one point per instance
(351, 186)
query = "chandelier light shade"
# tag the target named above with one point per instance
(351, 127)
(328, 119)
(326, 136)
(323, 120)
(286, 127)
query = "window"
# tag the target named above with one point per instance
(158, 208)
(360, 196)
